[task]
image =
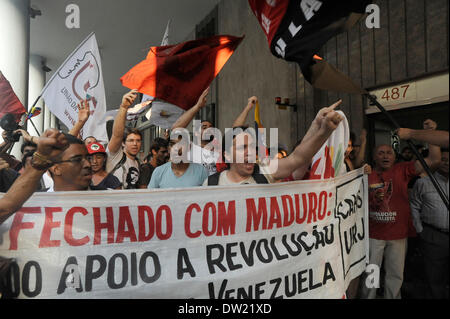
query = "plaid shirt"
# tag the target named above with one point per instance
(426, 204)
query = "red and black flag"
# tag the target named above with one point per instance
(297, 29)
(9, 102)
(178, 74)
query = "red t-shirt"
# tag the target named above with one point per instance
(390, 218)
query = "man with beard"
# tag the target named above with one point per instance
(200, 154)
(124, 147)
(390, 221)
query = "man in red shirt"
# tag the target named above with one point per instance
(390, 216)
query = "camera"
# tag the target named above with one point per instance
(9, 125)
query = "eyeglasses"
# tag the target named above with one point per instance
(133, 141)
(76, 159)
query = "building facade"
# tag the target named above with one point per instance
(404, 63)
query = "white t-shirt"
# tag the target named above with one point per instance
(128, 173)
(207, 158)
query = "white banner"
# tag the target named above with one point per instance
(79, 77)
(304, 239)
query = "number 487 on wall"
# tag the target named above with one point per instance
(395, 93)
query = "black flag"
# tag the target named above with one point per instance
(306, 25)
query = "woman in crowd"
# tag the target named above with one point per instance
(100, 178)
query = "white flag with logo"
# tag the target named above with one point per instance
(78, 78)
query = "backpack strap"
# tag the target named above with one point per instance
(213, 180)
(260, 179)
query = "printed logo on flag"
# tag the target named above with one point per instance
(79, 78)
(85, 77)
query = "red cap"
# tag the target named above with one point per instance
(95, 148)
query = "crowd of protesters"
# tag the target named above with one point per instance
(398, 184)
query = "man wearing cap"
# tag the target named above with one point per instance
(100, 178)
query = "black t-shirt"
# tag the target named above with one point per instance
(7, 178)
(109, 182)
(146, 171)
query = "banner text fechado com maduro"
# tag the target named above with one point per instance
(299, 240)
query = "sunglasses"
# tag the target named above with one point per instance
(76, 159)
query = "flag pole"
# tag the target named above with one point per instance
(29, 119)
(419, 156)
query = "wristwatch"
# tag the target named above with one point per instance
(40, 162)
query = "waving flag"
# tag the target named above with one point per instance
(297, 29)
(35, 111)
(178, 74)
(79, 77)
(9, 102)
(161, 113)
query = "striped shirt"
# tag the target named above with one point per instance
(426, 204)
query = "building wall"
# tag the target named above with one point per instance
(252, 71)
(411, 43)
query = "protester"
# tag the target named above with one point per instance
(200, 153)
(178, 174)
(244, 146)
(71, 170)
(124, 147)
(435, 137)
(389, 215)
(100, 178)
(431, 220)
(159, 155)
(406, 155)
(353, 158)
(50, 145)
(27, 146)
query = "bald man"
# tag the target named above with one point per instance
(390, 216)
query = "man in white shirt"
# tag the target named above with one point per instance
(239, 155)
